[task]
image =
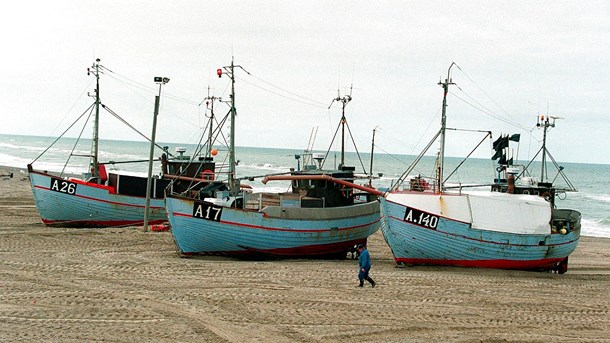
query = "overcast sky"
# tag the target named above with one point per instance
(516, 59)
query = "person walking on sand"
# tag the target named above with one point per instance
(364, 263)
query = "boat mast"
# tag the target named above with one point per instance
(96, 121)
(445, 86)
(210, 102)
(344, 101)
(545, 125)
(233, 187)
(372, 150)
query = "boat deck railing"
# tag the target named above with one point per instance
(258, 201)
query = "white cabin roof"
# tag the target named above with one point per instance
(493, 211)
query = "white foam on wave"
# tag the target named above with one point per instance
(57, 167)
(594, 228)
(53, 166)
(599, 197)
(12, 161)
(119, 157)
(20, 162)
(20, 147)
(269, 189)
(264, 166)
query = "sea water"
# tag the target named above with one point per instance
(592, 181)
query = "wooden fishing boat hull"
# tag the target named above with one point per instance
(429, 230)
(204, 228)
(76, 203)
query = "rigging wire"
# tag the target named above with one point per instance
(219, 125)
(489, 113)
(484, 109)
(200, 147)
(483, 91)
(197, 152)
(150, 89)
(488, 133)
(90, 108)
(480, 107)
(412, 166)
(392, 155)
(131, 85)
(404, 163)
(316, 104)
(289, 92)
(76, 143)
(398, 141)
(434, 119)
(355, 147)
(72, 107)
(131, 126)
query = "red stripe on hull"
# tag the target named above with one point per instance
(106, 201)
(493, 242)
(176, 214)
(543, 264)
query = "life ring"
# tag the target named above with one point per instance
(207, 175)
(346, 192)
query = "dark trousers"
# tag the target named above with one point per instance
(364, 275)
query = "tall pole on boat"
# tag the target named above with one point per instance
(211, 100)
(445, 86)
(344, 100)
(342, 136)
(160, 81)
(544, 122)
(209, 153)
(96, 121)
(233, 188)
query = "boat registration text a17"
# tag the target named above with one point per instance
(207, 211)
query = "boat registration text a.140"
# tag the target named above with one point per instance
(421, 218)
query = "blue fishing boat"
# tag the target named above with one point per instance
(322, 215)
(100, 198)
(513, 226)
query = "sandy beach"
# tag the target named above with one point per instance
(130, 285)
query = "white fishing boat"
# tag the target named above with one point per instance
(511, 227)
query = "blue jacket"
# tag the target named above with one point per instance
(364, 261)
